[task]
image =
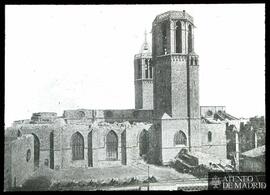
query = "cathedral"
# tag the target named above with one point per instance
(166, 121)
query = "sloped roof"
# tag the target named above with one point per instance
(165, 116)
(259, 151)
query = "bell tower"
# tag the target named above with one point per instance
(143, 77)
(176, 84)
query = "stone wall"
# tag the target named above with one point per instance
(147, 87)
(179, 87)
(19, 161)
(42, 132)
(89, 116)
(7, 164)
(217, 147)
(169, 128)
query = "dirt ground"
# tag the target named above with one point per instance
(138, 170)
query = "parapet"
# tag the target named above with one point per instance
(43, 117)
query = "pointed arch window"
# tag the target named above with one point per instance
(151, 68)
(77, 146)
(143, 142)
(146, 67)
(178, 37)
(139, 70)
(164, 37)
(180, 138)
(190, 49)
(111, 146)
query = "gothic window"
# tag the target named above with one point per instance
(36, 150)
(209, 136)
(180, 138)
(178, 38)
(77, 146)
(52, 150)
(139, 69)
(164, 37)
(146, 67)
(144, 142)
(189, 39)
(111, 146)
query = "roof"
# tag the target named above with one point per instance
(172, 14)
(259, 151)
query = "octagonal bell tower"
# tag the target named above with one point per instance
(143, 77)
(176, 85)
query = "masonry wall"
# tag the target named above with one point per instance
(179, 87)
(155, 141)
(147, 94)
(133, 141)
(169, 128)
(162, 86)
(66, 145)
(84, 116)
(21, 167)
(42, 131)
(99, 133)
(253, 164)
(217, 147)
(195, 135)
(7, 164)
(138, 94)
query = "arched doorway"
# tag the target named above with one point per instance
(112, 146)
(90, 150)
(123, 148)
(52, 150)
(36, 150)
(144, 142)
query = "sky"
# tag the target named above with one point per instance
(60, 57)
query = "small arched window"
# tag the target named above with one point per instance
(77, 146)
(209, 136)
(190, 49)
(112, 146)
(178, 37)
(180, 138)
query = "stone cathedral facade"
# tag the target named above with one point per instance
(167, 118)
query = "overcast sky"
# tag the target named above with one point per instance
(61, 57)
